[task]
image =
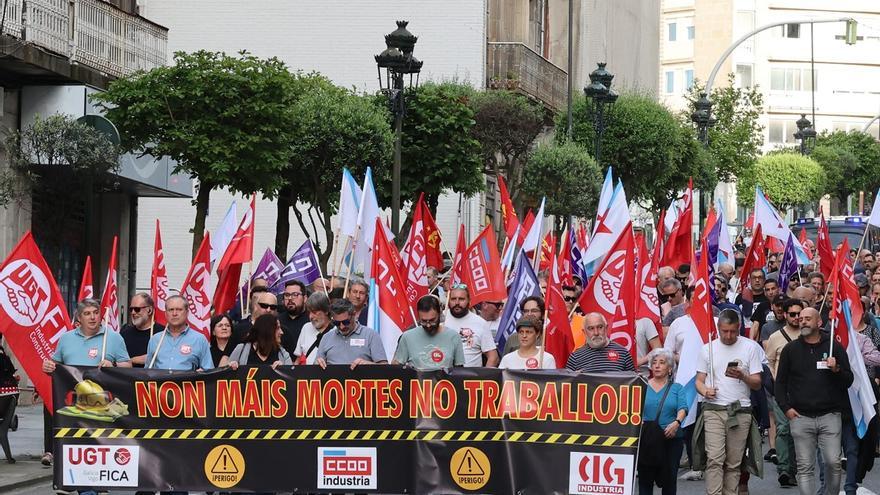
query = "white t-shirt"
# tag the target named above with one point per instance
(476, 338)
(748, 356)
(677, 331)
(307, 337)
(645, 331)
(514, 361)
(493, 326)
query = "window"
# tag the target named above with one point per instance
(670, 82)
(673, 27)
(791, 31)
(689, 78)
(744, 76)
(690, 30)
(791, 79)
(777, 131)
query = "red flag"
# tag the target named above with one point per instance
(433, 253)
(701, 303)
(33, 314)
(416, 283)
(482, 269)
(526, 226)
(750, 221)
(711, 220)
(86, 287)
(564, 257)
(649, 303)
(239, 251)
(110, 297)
(802, 237)
(558, 339)
(460, 248)
(681, 244)
(775, 245)
(159, 279)
(508, 214)
(548, 246)
(603, 293)
(622, 326)
(392, 297)
(582, 238)
(195, 289)
(660, 239)
(823, 248)
(755, 257)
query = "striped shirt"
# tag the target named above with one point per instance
(613, 357)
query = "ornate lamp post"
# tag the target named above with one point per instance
(601, 98)
(394, 63)
(805, 134)
(702, 117)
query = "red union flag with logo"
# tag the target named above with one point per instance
(32, 312)
(159, 279)
(195, 289)
(110, 297)
(86, 287)
(389, 312)
(482, 269)
(416, 260)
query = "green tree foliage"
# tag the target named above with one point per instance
(864, 175)
(439, 152)
(788, 179)
(507, 124)
(650, 150)
(335, 128)
(566, 175)
(736, 138)
(841, 170)
(225, 120)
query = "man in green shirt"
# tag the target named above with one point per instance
(429, 346)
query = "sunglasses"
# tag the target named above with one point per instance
(794, 315)
(459, 286)
(137, 309)
(270, 307)
(429, 323)
(570, 298)
(342, 323)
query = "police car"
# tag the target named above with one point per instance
(842, 227)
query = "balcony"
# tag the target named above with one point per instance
(515, 66)
(90, 33)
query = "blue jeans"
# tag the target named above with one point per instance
(667, 474)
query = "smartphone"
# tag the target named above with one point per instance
(732, 364)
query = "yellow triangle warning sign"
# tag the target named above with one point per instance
(224, 464)
(469, 466)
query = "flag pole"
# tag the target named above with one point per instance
(862, 243)
(104, 338)
(336, 266)
(536, 259)
(158, 346)
(357, 234)
(543, 340)
(323, 280)
(335, 252)
(248, 306)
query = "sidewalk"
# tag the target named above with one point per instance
(27, 449)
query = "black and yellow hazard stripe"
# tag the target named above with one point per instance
(324, 435)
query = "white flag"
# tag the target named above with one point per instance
(224, 234)
(875, 211)
(534, 235)
(349, 202)
(367, 215)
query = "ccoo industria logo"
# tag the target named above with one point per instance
(350, 467)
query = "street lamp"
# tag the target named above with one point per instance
(601, 97)
(702, 117)
(805, 134)
(397, 61)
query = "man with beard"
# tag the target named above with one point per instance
(762, 310)
(811, 387)
(358, 292)
(476, 338)
(141, 326)
(491, 312)
(599, 354)
(429, 346)
(294, 315)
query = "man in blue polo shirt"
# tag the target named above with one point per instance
(87, 345)
(179, 347)
(350, 343)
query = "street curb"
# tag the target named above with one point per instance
(27, 482)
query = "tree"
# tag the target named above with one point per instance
(335, 128)
(225, 120)
(438, 152)
(566, 175)
(788, 179)
(736, 138)
(651, 151)
(507, 124)
(865, 175)
(841, 170)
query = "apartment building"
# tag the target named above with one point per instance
(800, 67)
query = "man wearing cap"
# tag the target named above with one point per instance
(429, 346)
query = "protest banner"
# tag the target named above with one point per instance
(376, 428)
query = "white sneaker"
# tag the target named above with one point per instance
(692, 476)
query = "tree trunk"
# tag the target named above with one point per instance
(282, 222)
(202, 198)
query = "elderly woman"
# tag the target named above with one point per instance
(664, 401)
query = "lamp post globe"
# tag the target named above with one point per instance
(601, 97)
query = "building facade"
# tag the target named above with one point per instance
(801, 68)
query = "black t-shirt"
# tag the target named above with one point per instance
(760, 313)
(241, 329)
(136, 340)
(254, 358)
(291, 327)
(217, 353)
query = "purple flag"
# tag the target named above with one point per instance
(789, 265)
(525, 284)
(302, 266)
(269, 269)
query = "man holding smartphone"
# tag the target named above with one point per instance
(726, 375)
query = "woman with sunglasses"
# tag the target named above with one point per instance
(263, 347)
(529, 355)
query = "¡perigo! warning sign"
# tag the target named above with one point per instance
(470, 468)
(224, 466)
